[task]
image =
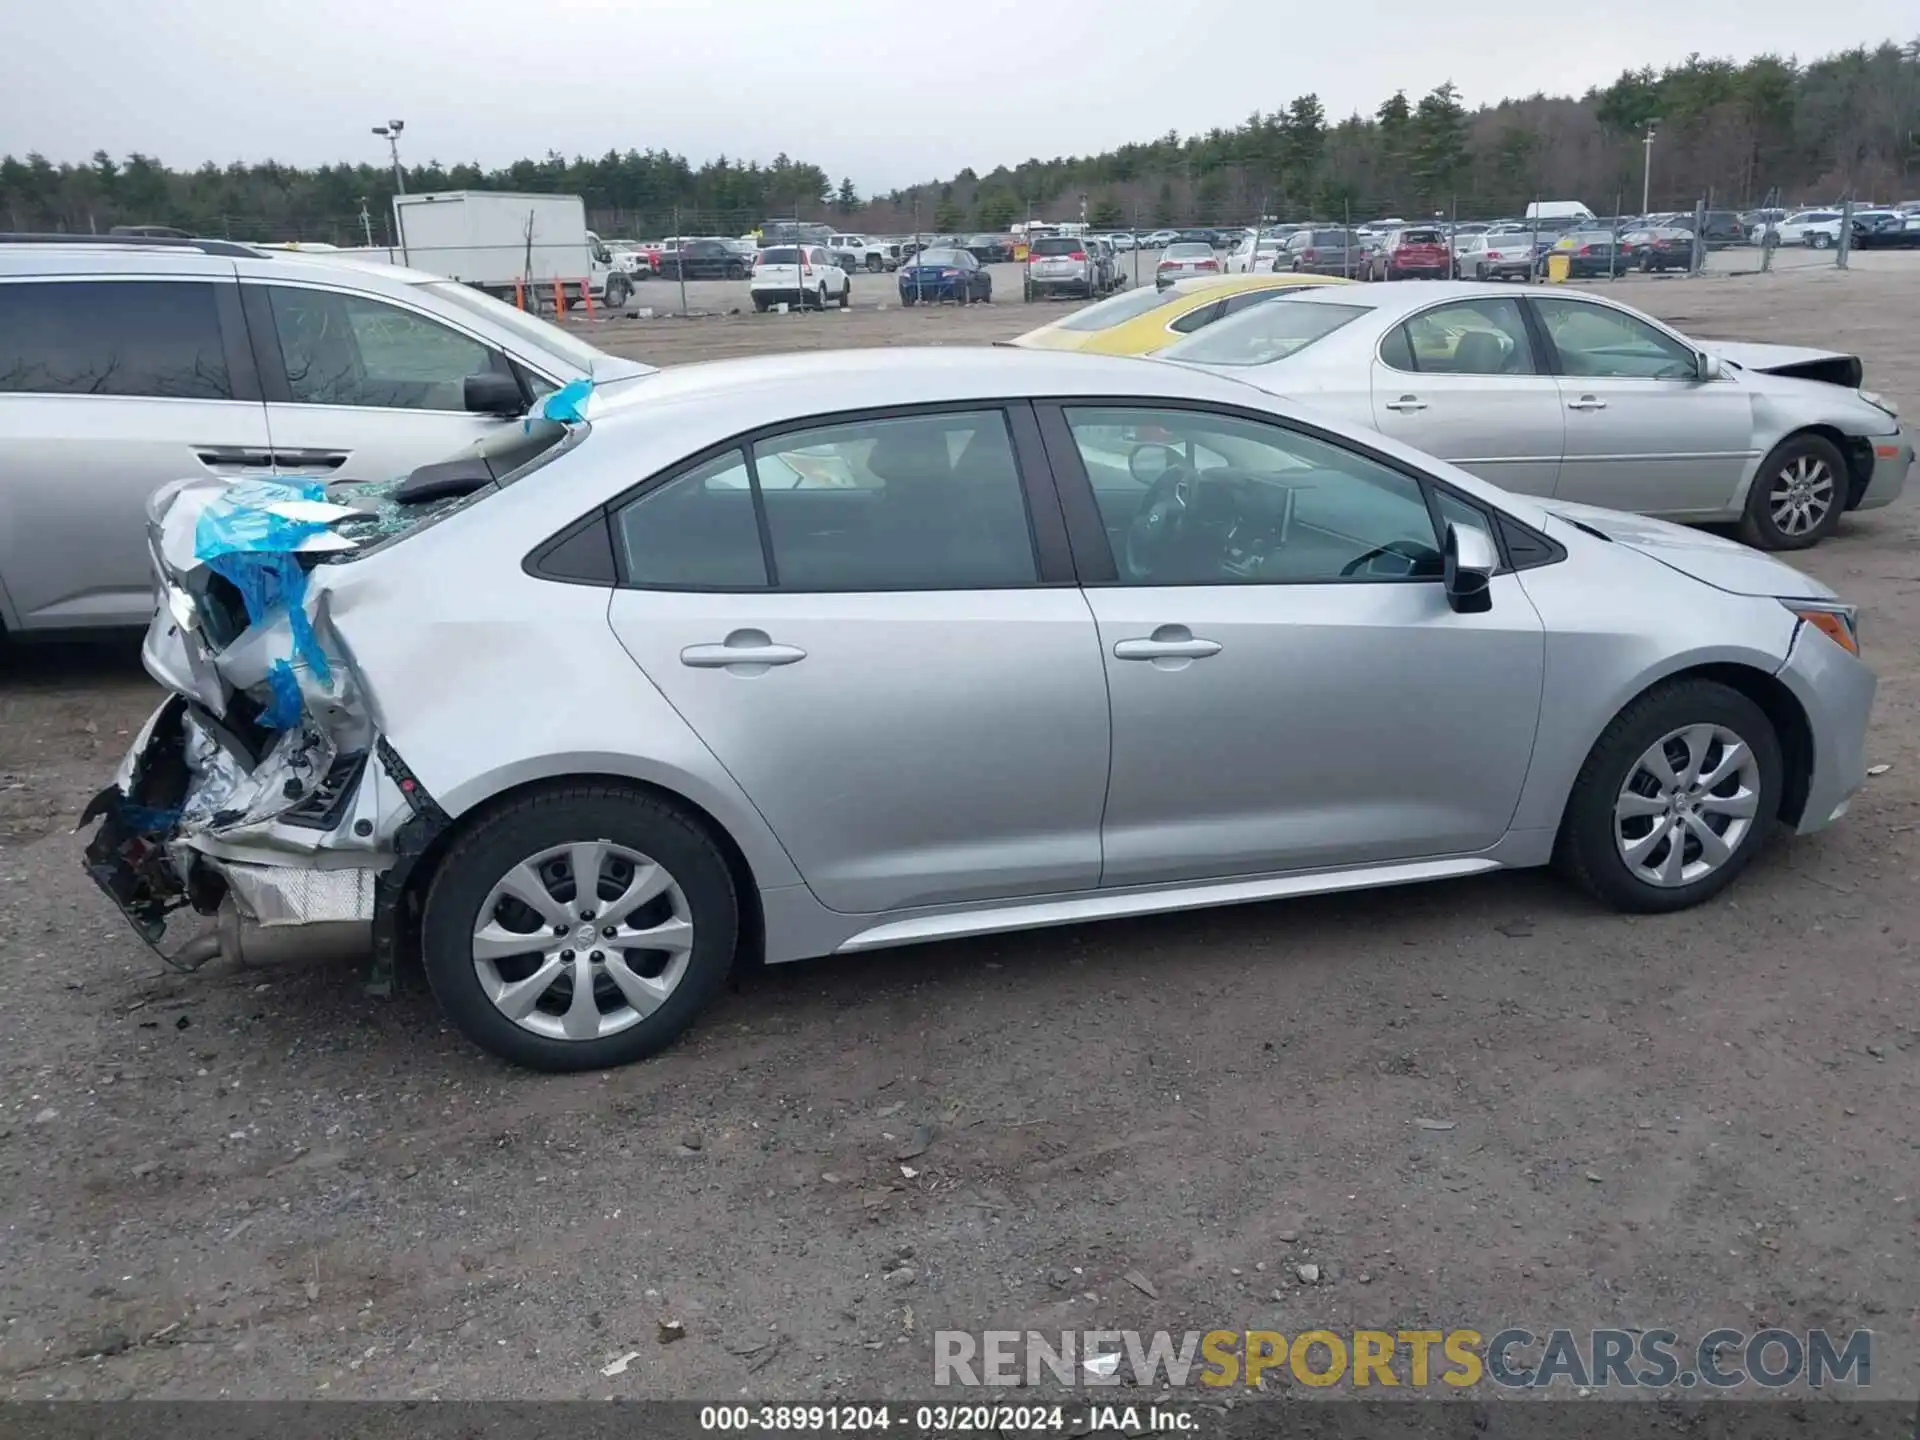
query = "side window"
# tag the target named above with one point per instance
(925, 502)
(1454, 511)
(1472, 337)
(1247, 299)
(696, 532)
(1601, 342)
(344, 349)
(1193, 498)
(153, 338)
(1200, 318)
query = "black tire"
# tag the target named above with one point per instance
(820, 297)
(875, 264)
(846, 294)
(1820, 240)
(986, 296)
(1758, 527)
(1027, 293)
(616, 291)
(481, 856)
(1480, 270)
(906, 297)
(736, 272)
(1587, 852)
(760, 303)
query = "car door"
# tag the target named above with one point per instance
(855, 616)
(110, 387)
(1290, 688)
(361, 387)
(1644, 432)
(1462, 381)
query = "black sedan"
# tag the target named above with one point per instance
(1657, 248)
(945, 273)
(1590, 254)
(1883, 230)
(704, 260)
(990, 249)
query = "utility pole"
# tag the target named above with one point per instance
(390, 132)
(366, 222)
(1646, 172)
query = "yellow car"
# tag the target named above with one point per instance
(1143, 321)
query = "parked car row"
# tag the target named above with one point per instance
(1069, 559)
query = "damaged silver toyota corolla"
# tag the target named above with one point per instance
(722, 662)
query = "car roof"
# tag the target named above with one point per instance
(1392, 297)
(772, 388)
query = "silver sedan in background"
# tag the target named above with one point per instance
(1578, 397)
(1015, 639)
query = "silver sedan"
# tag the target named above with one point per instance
(1575, 396)
(1015, 639)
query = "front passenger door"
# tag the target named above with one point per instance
(1290, 687)
(359, 388)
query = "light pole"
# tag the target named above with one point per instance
(1646, 173)
(390, 132)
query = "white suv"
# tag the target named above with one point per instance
(798, 275)
(128, 362)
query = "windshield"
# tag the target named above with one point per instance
(1263, 333)
(1127, 305)
(535, 331)
(939, 257)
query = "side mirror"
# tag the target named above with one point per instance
(494, 394)
(1470, 561)
(1708, 367)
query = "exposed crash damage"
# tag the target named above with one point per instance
(262, 790)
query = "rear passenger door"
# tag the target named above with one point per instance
(873, 624)
(359, 387)
(1463, 381)
(111, 386)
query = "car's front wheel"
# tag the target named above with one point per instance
(1675, 799)
(1797, 495)
(579, 927)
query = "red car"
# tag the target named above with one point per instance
(1421, 253)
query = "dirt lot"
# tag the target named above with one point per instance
(263, 1183)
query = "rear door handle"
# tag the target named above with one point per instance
(234, 457)
(310, 459)
(1587, 402)
(1407, 403)
(1168, 642)
(744, 652)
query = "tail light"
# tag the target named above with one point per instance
(1078, 255)
(1169, 265)
(1208, 265)
(1584, 250)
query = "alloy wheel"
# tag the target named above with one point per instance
(582, 941)
(1688, 803)
(1801, 495)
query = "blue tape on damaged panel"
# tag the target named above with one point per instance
(566, 403)
(240, 538)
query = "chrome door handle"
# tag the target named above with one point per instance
(745, 652)
(1587, 402)
(1406, 403)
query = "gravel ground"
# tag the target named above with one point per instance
(262, 1183)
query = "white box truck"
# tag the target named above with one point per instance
(502, 242)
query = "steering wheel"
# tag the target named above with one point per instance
(1411, 551)
(1160, 522)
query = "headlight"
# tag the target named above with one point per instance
(1880, 402)
(1839, 623)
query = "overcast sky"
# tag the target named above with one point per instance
(887, 91)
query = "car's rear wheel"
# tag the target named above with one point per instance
(846, 293)
(1675, 799)
(616, 291)
(579, 928)
(875, 264)
(1820, 240)
(1797, 495)
(760, 303)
